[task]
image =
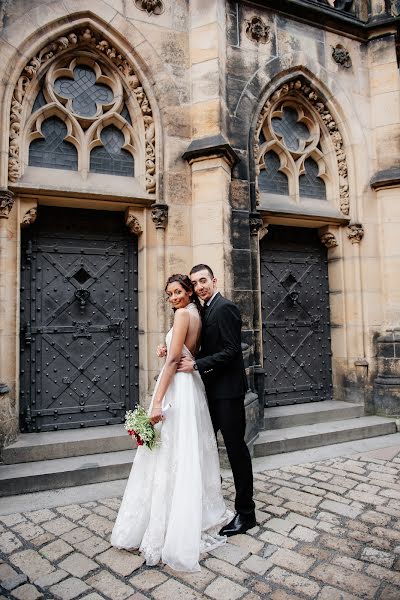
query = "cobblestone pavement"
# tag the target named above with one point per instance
(328, 530)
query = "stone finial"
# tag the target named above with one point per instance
(257, 30)
(256, 223)
(6, 203)
(355, 233)
(328, 239)
(159, 214)
(29, 217)
(341, 56)
(152, 7)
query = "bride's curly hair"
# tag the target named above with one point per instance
(187, 285)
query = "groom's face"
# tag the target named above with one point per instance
(204, 285)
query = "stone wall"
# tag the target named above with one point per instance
(208, 68)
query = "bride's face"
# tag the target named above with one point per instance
(178, 297)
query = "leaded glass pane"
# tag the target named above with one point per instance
(271, 179)
(39, 101)
(310, 185)
(125, 114)
(111, 158)
(290, 129)
(52, 151)
(84, 91)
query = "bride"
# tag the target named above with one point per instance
(173, 507)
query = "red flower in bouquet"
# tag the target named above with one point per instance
(139, 426)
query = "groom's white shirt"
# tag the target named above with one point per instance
(211, 299)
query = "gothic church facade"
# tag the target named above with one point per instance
(140, 137)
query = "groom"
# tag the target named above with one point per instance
(220, 364)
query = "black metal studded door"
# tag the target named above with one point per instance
(79, 320)
(295, 314)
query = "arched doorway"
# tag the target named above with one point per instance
(295, 316)
(79, 320)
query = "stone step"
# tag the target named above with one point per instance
(280, 417)
(302, 437)
(54, 474)
(28, 477)
(33, 447)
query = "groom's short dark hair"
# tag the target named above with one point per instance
(202, 267)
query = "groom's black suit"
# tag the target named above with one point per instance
(220, 363)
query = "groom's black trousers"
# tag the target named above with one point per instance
(228, 416)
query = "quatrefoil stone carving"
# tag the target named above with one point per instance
(84, 92)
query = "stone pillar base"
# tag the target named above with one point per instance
(386, 394)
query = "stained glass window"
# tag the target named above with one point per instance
(84, 91)
(289, 128)
(40, 101)
(52, 151)
(271, 179)
(111, 158)
(312, 186)
(125, 114)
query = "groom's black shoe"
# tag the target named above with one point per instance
(239, 524)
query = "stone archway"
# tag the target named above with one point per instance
(78, 39)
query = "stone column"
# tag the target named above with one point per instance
(8, 412)
(159, 215)
(212, 160)
(386, 394)
(256, 226)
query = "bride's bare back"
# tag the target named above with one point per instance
(192, 339)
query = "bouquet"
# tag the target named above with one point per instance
(138, 425)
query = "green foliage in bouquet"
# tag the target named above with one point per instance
(138, 425)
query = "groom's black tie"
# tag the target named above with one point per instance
(204, 310)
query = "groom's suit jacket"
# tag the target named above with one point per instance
(220, 360)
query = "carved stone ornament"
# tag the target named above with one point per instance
(6, 203)
(152, 7)
(80, 39)
(341, 56)
(29, 217)
(256, 223)
(300, 87)
(159, 214)
(329, 240)
(343, 4)
(133, 224)
(257, 30)
(355, 233)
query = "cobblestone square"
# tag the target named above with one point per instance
(327, 530)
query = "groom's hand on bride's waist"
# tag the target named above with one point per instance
(186, 365)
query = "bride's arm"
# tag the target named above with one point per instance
(181, 325)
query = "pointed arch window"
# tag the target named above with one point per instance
(291, 160)
(81, 119)
(271, 177)
(111, 158)
(52, 150)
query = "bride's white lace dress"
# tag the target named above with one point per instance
(173, 507)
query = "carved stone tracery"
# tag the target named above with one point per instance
(257, 30)
(289, 91)
(83, 38)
